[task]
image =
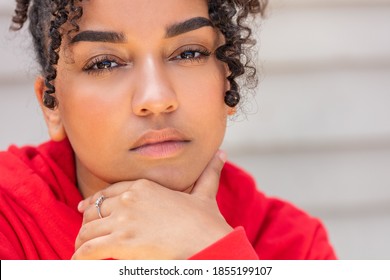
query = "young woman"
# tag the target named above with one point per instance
(136, 95)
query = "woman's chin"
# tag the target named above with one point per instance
(176, 183)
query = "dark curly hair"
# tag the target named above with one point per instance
(229, 16)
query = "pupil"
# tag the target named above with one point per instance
(104, 65)
(187, 55)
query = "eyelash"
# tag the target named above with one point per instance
(92, 66)
(203, 54)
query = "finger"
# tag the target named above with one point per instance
(208, 182)
(99, 248)
(113, 190)
(92, 230)
(92, 212)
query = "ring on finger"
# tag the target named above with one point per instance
(98, 204)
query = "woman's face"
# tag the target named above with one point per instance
(140, 92)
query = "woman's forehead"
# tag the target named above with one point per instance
(145, 16)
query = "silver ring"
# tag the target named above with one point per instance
(98, 204)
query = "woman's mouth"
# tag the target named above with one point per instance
(160, 143)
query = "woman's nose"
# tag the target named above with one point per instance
(154, 90)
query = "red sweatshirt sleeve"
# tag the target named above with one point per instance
(234, 246)
(320, 248)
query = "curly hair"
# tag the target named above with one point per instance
(48, 16)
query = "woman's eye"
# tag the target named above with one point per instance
(105, 64)
(101, 64)
(192, 55)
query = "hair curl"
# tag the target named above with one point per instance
(48, 16)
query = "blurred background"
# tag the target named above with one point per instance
(317, 132)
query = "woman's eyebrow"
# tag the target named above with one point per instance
(114, 37)
(187, 26)
(99, 36)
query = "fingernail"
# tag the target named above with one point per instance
(222, 156)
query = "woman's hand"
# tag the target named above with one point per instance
(144, 220)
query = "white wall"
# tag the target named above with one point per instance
(321, 133)
(318, 130)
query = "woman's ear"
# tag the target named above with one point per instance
(52, 116)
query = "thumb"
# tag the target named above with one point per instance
(208, 182)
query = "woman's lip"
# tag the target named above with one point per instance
(160, 143)
(161, 149)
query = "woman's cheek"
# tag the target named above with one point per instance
(201, 83)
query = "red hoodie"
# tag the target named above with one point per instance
(39, 217)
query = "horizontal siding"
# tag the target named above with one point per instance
(17, 53)
(320, 109)
(21, 121)
(353, 183)
(343, 37)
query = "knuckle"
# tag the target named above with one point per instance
(127, 197)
